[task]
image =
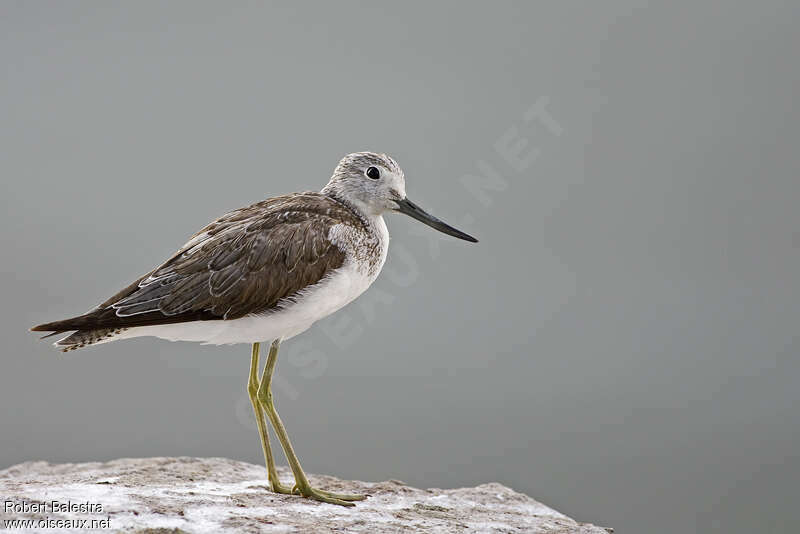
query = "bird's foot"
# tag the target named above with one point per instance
(342, 499)
(277, 487)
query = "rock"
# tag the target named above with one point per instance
(177, 495)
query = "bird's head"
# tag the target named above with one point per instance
(374, 183)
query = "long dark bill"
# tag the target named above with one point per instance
(412, 210)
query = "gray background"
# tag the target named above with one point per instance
(622, 343)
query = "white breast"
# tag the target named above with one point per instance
(366, 254)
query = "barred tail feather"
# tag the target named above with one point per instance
(84, 338)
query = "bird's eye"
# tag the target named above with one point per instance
(373, 173)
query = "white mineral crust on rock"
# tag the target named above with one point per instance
(220, 495)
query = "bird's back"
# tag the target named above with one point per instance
(254, 261)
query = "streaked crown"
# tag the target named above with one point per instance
(369, 181)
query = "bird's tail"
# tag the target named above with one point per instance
(83, 336)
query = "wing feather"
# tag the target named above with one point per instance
(245, 262)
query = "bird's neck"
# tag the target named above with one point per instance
(373, 222)
(357, 207)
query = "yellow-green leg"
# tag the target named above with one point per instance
(252, 390)
(301, 486)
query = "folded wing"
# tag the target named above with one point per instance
(249, 261)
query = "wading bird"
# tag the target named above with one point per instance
(263, 274)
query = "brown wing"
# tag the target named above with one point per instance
(245, 262)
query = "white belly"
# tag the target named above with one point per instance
(290, 319)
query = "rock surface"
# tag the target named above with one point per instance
(151, 495)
